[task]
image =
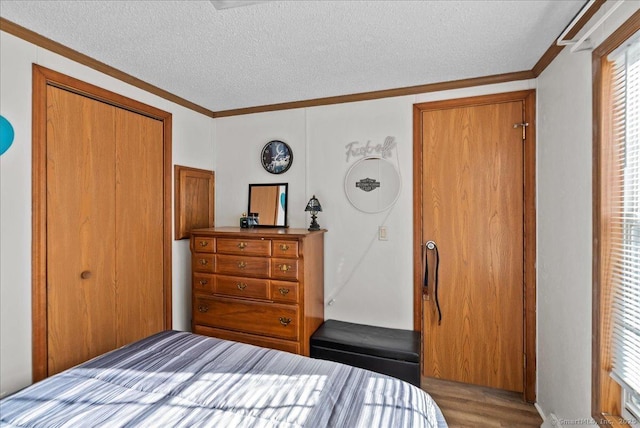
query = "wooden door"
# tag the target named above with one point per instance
(139, 226)
(101, 224)
(472, 205)
(80, 228)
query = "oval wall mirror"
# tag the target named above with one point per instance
(372, 184)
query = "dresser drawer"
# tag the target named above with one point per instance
(285, 292)
(247, 247)
(203, 282)
(203, 245)
(267, 319)
(242, 287)
(203, 262)
(252, 339)
(284, 269)
(284, 248)
(243, 266)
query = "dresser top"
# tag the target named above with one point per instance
(257, 231)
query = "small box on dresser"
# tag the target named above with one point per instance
(263, 286)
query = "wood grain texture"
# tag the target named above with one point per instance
(195, 200)
(39, 226)
(312, 294)
(286, 291)
(139, 190)
(274, 320)
(266, 289)
(530, 247)
(470, 406)
(203, 262)
(244, 247)
(238, 286)
(243, 266)
(285, 269)
(284, 248)
(81, 218)
(46, 81)
(476, 213)
(528, 101)
(252, 339)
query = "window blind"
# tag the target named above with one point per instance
(625, 221)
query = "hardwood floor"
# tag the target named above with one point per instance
(474, 406)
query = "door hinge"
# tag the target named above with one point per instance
(524, 129)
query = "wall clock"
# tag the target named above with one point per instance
(276, 157)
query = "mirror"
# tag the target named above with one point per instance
(372, 185)
(269, 203)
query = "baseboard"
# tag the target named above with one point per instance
(550, 421)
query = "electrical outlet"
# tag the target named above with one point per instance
(382, 233)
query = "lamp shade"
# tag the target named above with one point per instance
(313, 205)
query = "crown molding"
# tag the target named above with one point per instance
(546, 59)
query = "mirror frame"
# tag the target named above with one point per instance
(286, 202)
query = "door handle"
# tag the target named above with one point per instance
(431, 246)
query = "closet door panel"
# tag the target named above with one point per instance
(80, 226)
(139, 226)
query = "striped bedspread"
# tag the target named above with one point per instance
(178, 379)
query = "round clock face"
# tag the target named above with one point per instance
(276, 157)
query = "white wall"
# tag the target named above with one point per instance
(564, 228)
(192, 146)
(370, 281)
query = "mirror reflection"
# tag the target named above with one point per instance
(268, 202)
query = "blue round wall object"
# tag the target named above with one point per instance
(6, 135)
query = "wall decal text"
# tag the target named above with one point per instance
(356, 149)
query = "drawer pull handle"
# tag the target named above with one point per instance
(204, 243)
(284, 247)
(241, 285)
(284, 268)
(85, 274)
(242, 245)
(283, 291)
(242, 265)
(203, 308)
(204, 262)
(203, 282)
(285, 321)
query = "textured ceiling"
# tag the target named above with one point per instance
(283, 51)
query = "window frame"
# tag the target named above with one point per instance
(606, 397)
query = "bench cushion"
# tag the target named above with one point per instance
(384, 350)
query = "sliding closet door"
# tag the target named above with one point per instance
(80, 160)
(139, 226)
(101, 221)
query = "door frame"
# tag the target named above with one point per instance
(528, 97)
(43, 77)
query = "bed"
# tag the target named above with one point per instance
(179, 379)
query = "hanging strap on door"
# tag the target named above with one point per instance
(430, 245)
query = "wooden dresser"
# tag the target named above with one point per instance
(261, 286)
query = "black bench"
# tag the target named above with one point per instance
(384, 350)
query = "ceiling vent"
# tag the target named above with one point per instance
(228, 4)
